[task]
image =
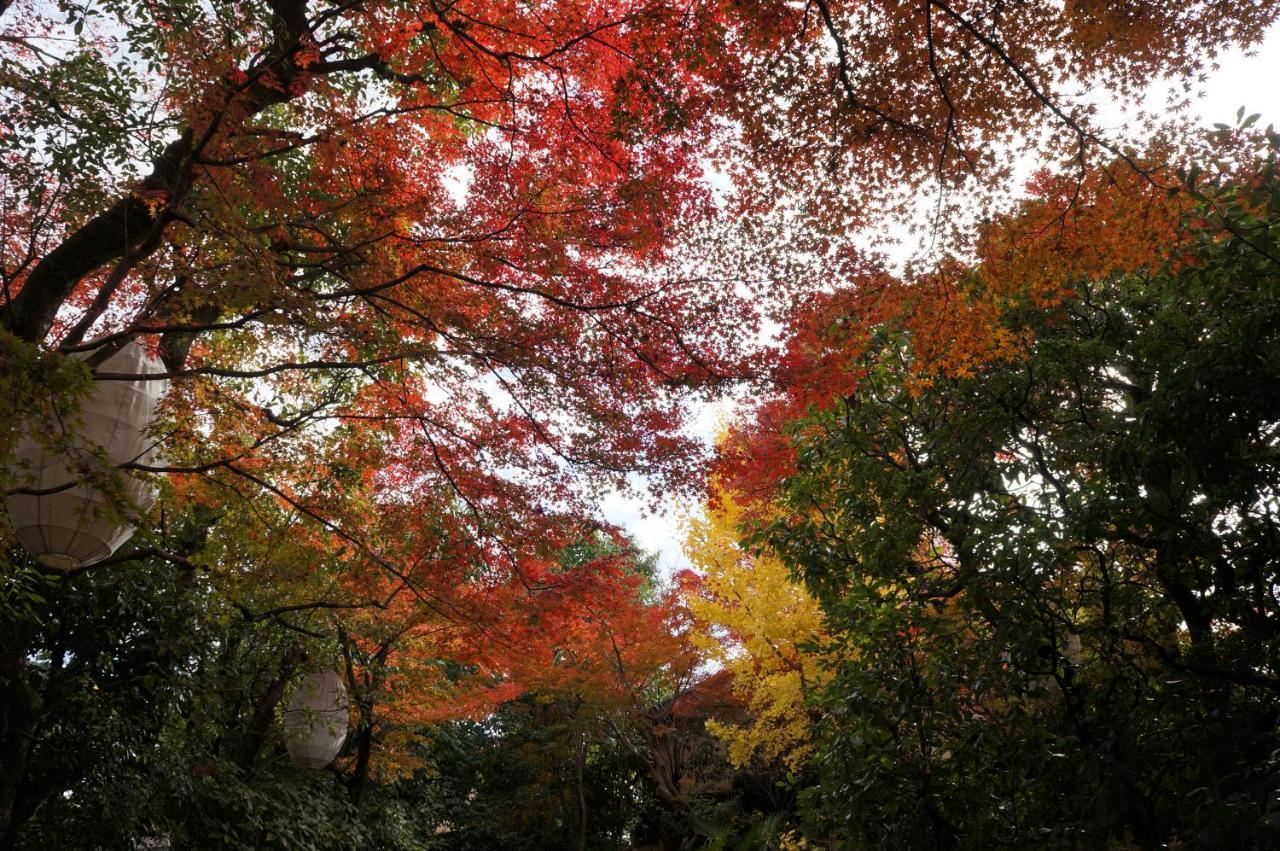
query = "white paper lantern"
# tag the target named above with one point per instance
(315, 724)
(75, 527)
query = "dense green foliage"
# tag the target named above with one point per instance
(511, 781)
(158, 716)
(1052, 586)
(146, 684)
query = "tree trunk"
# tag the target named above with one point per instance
(132, 228)
(364, 752)
(265, 711)
(581, 763)
(20, 711)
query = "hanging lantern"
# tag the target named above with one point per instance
(75, 526)
(315, 724)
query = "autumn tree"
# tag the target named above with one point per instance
(409, 268)
(762, 627)
(559, 733)
(582, 723)
(1049, 574)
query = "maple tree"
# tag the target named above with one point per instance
(504, 309)
(169, 729)
(409, 267)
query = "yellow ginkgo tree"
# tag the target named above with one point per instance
(756, 622)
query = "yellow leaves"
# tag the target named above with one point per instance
(153, 199)
(793, 841)
(753, 620)
(777, 728)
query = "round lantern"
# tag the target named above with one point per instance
(315, 724)
(75, 526)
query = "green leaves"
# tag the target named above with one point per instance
(1048, 583)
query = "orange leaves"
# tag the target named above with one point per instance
(597, 638)
(585, 631)
(1114, 222)
(963, 312)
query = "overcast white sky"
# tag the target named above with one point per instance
(1249, 81)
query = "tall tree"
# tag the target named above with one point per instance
(409, 268)
(1050, 574)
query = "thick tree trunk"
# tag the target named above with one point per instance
(265, 711)
(126, 225)
(131, 229)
